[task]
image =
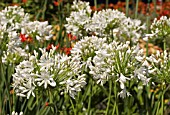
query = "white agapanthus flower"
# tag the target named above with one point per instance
(85, 49)
(16, 113)
(45, 78)
(12, 17)
(103, 20)
(76, 22)
(23, 81)
(48, 70)
(112, 61)
(130, 29)
(116, 61)
(15, 28)
(122, 79)
(27, 89)
(42, 30)
(79, 17)
(160, 28)
(74, 85)
(123, 94)
(79, 5)
(160, 65)
(108, 23)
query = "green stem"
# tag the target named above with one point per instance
(95, 3)
(164, 43)
(157, 112)
(147, 24)
(162, 99)
(107, 2)
(127, 7)
(147, 48)
(74, 110)
(136, 11)
(90, 95)
(44, 9)
(115, 107)
(154, 2)
(109, 98)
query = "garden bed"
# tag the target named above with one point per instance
(67, 57)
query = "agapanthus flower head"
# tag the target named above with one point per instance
(46, 71)
(108, 23)
(160, 66)
(13, 17)
(86, 47)
(160, 28)
(79, 5)
(116, 61)
(17, 31)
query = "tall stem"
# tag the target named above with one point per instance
(154, 2)
(115, 107)
(95, 3)
(107, 2)
(136, 10)
(109, 98)
(127, 7)
(147, 23)
(162, 99)
(90, 95)
(164, 43)
(74, 110)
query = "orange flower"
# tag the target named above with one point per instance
(70, 36)
(57, 3)
(111, 5)
(23, 37)
(67, 50)
(57, 46)
(12, 91)
(46, 104)
(24, 1)
(14, 4)
(29, 39)
(49, 47)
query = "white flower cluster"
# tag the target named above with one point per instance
(79, 17)
(49, 71)
(160, 28)
(41, 30)
(103, 22)
(12, 18)
(86, 47)
(112, 61)
(79, 5)
(15, 28)
(109, 23)
(15, 113)
(74, 85)
(160, 65)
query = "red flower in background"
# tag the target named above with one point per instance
(25, 39)
(71, 37)
(57, 3)
(24, 1)
(67, 50)
(46, 104)
(166, 12)
(57, 46)
(49, 47)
